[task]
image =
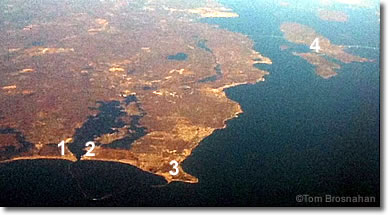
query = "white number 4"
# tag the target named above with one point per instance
(315, 45)
(175, 167)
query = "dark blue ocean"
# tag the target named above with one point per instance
(299, 134)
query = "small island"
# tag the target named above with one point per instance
(333, 16)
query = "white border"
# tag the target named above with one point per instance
(296, 211)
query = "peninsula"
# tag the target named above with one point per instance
(100, 71)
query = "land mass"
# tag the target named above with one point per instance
(79, 71)
(333, 16)
(323, 59)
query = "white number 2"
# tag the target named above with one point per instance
(175, 167)
(315, 45)
(89, 152)
(88, 144)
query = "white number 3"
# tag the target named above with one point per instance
(175, 167)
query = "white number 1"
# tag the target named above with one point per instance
(62, 145)
(175, 167)
(315, 45)
(88, 144)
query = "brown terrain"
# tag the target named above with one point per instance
(110, 72)
(304, 35)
